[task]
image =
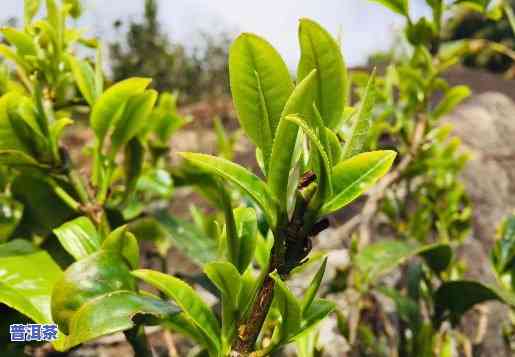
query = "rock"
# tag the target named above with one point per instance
(486, 126)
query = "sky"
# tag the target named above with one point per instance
(365, 27)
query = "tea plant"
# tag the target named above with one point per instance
(307, 174)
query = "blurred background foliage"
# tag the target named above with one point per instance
(145, 50)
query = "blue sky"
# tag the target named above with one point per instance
(365, 27)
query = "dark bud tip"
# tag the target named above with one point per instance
(306, 179)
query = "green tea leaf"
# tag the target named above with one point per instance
(79, 237)
(362, 123)
(240, 176)
(100, 273)
(22, 41)
(133, 119)
(107, 108)
(56, 128)
(15, 158)
(378, 259)
(186, 237)
(261, 85)
(85, 78)
(317, 311)
(246, 224)
(335, 147)
(12, 56)
(75, 7)
(111, 313)
(323, 171)
(8, 138)
(226, 278)
(503, 253)
(133, 161)
(320, 51)
(438, 258)
(123, 243)
(454, 298)
(24, 285)
(398, 6)
(451, 99)
(310, 293)
(31, 8)
(300, 103)
(187, 299)
(289, 308)
(37, 195)
(354, 176)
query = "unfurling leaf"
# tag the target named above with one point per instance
(362, 122)
(301, 103)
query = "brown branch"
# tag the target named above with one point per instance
(287, 252)
(248, 331)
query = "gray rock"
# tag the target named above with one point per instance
(486, 126)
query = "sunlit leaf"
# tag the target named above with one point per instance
(111, 313)
(79, 237)
(133, 119)
(362, 122)
(317, 311)
(261, 85)
(109, 106)
(354, 176)
(320, 51)
(91, 277)
(187, 299)
(240, 176)
(24, 284)
(123, 243)
(85, 78)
